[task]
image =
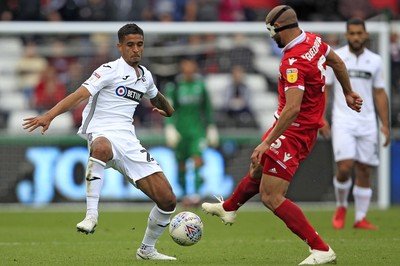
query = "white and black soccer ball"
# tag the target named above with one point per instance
(186, 228)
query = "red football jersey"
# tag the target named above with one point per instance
(304, 66)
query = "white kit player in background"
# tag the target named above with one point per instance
(114, 91)
(355, 135)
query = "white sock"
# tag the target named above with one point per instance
(362, 198)
(342, 190)
(94, 183)
(156, 224)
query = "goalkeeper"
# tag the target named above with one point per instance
(192, 127)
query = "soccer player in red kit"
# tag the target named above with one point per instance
(293, 135)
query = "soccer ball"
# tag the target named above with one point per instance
(186, 228)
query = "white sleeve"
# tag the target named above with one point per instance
(379, 79)
(330, 76)
(151, 87)
(100, 78)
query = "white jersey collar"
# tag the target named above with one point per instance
(295, 41)
(129, 69)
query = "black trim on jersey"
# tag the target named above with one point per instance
(142, 77)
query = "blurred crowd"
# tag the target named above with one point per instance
(189, 10)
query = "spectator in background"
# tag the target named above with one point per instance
(237, 100)
(30, 67)
(63, 10)
(60, 59)
(76, 73)
(255, 10)
(125, 10)
(49, 91)
(241, 53)
(192, 125)
(7, 10)
(28, 10)
(175, 10)
(391, 7)
(395, 61)
(231, 10)
(210, 61)
(207, 10)
(355, 8)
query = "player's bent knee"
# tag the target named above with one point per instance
(168, 204)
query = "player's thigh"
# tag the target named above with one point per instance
(157, 188)
(367, 149)
(344, 142)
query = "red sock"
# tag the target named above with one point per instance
(295, 220)
(247, 188)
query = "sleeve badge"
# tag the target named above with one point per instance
(291, 75)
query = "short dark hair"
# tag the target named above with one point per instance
(356, 21)
(131, 28)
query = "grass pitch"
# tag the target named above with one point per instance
(49, 237)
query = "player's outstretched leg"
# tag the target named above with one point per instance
(227, 217)
(246, 189)
(320, 257)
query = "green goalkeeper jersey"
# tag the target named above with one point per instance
(193, 109)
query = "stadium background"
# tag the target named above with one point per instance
(40, 170)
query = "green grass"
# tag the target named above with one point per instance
(42, 237)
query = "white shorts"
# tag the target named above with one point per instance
(355, 142)
(129, 157)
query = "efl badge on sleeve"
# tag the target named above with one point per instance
(291, 75)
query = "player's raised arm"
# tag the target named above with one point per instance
(161, 105)
(69, 102)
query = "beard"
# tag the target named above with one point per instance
(279, 42)
(357, 47)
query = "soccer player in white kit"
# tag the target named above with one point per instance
(114, 91)
(355, 135)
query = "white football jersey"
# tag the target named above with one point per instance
(366, 74)
(115, 92)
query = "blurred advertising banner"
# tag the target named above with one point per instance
(41, 170)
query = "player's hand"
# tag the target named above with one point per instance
(386, 132)
(354, 101)
(31, 123)
(160, 111)
(172, 136)
(212, 136)
(325, 130)
(258, 153)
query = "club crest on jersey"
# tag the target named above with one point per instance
(291, 75)
(129, 93)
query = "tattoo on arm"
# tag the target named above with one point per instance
(162, 103)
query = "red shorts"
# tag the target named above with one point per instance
(285, 154)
